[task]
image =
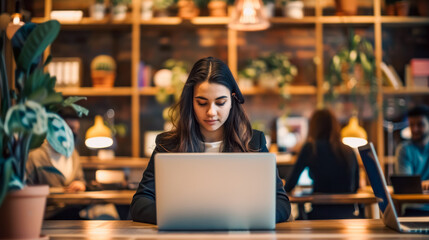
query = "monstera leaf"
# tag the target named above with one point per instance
(27, 117)
(60, 136)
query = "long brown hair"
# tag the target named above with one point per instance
(186, 131)
(325, 126)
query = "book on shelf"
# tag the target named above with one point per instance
(420, 72)
(390, 76)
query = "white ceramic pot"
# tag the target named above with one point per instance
(97, 11)
(294, 9)
(119, 12)
(147, 9)
(269, 9)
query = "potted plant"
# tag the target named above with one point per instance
(217, 8)
(161, 7)
(294, 9)
(269, 7)
(352, 67)
(187, 9)
(271, 71)
(103, 71)
(97, 10)
(27, 117)
(119, 9)
(147, 9)
(346, 7)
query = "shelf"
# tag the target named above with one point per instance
(162, 21)
(347, 19)
(405, 91)
(293, 90)
(90, 91)
(89, 21)
(117, 162)
(210, 20)
(404, 20)
(286, 20)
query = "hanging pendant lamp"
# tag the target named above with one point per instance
(248, 15)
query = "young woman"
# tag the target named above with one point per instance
(210, 119)
(332, 165)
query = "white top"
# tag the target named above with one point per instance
(60, 162)
(213, 146)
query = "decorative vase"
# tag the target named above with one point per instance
(22, 213)
(97, 11)
(187, 9)
(294, 9)
(217, 8)
(119, 12)
(346, 7)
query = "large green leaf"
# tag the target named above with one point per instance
(28, 117)
(70, 102)
(37, 140)
(60, 136)
(19, 38)
(5, 174)
(38, 40)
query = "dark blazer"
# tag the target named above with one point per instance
(143, 208)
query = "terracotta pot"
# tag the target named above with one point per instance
(346, 7)
(402, 8)
(103, 79)
(217, 8)
(187, 9)
(22, 213)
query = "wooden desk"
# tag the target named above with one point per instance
(368, 199)
(399, 199)
(90, 197)
(317, 229)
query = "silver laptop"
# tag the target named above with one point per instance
(215, 191)
(387, 209)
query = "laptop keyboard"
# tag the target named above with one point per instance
(417, 226)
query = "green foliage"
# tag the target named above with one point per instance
(352, 67)
(163, 4)
(104, 66)
(26, 124)
(273, 65)
(117, 2)
(179, 71)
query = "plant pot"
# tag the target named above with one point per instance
(346, 7)
(147, 9)
(402, 8)
(22, 213)
(294, 9)
(390, 9)
(187, 9)
(97, 11)
(269, 9)
(119, 12)
(217, 8)
(103, 79)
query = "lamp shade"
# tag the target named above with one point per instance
(354, 135)
(248, 15)
(99, 135)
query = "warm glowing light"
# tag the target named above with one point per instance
(99, 135)
(354, 135)
(16, 19)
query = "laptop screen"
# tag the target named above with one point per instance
(375, 175)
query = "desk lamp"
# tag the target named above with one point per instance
(248, 15)
(354, 135)
(99, 135)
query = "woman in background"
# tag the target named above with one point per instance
(332, 165)
(210, 119)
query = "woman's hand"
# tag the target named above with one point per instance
(75, 186)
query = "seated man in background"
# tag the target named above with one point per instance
(413, 155)
(47, 166)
